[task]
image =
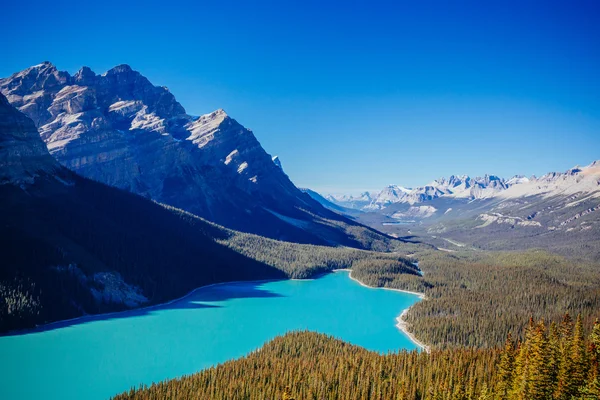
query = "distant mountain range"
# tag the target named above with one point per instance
(559, 211)
(119, 129)
(464, 187)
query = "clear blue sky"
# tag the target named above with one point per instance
(353, 95)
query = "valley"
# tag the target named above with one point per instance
(208, 326)
(142, 244)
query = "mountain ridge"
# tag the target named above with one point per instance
(465, 187)
(73, 246)
(119, 129)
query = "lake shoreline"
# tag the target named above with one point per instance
(401, 323)
(50, 325)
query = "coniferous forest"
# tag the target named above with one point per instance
(558, 361)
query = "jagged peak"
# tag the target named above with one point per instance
(85, 70)
(85, 75)
(594, 164)
(43, 68)
(202, 129)
(216, 116)
(119, 69)
(219, 112)
(43, 65)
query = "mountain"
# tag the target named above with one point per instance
(329, 204)
(389, 195)
(73, 246)
(456, 186)
(559, 211)
(351, 201)
(119, 129)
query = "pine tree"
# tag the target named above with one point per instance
(506, 369)
(521, 383)
(539, 372)
(579, 357)
(553, 356)
(565, 385)
(594, 380)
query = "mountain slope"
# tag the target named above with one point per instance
(119, 129)
(73, 246)
(329, 204)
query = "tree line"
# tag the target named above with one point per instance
(556, 362)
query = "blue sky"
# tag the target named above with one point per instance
(353, 95)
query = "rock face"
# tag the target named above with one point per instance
(119, 129)
(23, 155)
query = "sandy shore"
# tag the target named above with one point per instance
(401, 324)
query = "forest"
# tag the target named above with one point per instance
(556, 361)
(58, 240)
(477, 298)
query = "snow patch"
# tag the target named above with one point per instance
(231, 156)
(242, 167)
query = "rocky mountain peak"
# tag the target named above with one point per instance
(120, 129)
(84, 77)
(120, 69)
(39, 77)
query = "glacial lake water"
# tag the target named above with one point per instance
(97, 357)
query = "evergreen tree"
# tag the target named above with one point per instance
(521, 381)
(594, 351)
(579, 357)
(539, 371)
(553, 356)
(506, 369)
(565, 385)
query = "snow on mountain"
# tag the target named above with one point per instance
(585, 179)
(389, 195)
(517, 180)
(415, 212)
(356, 202)
(573, 181)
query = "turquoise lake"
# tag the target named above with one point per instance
(97, 357)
